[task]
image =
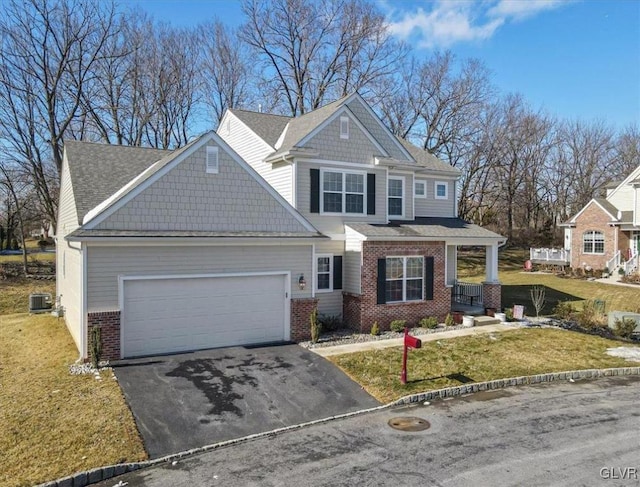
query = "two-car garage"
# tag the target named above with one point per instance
(166, 314)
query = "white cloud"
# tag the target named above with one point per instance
(447, 22)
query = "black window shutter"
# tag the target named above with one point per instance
(382, 281)
(428, 278)
(337, 272)
(371, 194)
(315, 190)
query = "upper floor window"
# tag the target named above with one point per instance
(396, 196)
(442, 190)
(344, 127)
(343, 192)
(593, 242)
(404, 279)
(420, 189)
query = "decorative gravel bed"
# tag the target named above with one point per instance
(346, 336)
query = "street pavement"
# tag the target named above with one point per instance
(559, 434)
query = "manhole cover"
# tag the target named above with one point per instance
(409, 423)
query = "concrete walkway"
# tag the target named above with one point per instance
(397, 342)
(614, 279)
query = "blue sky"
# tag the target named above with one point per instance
(575, 59)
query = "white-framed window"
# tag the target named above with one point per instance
(420, 188)
(404, 279)
(324, 273)
(212, 160)
(344, 127)
(593, 242)
(441, 191)
(343, 192)
(395, 196)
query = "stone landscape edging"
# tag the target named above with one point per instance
(82, 479)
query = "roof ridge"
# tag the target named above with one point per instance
(259, 113)
(120, 146)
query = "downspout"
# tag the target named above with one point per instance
(83, 304)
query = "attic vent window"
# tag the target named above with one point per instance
(344, 127)
(212, 160)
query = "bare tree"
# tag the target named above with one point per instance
(313, 52)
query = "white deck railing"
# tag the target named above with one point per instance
(550, 255)
(468, 293)
(614, 262)
(631, 265)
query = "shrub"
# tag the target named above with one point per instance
(448, 321)
(375, 329)
(538, 298)
(96, 346)
(330, 322)
(42, 244)
(430, 322)
(625, 328)
(590, 316)
(316, 327)
(621, 271)
(564, 310)
(398, 325)
(508, 313)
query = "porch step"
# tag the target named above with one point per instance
(485, 320)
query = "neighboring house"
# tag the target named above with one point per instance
(388, 208)
(606, 232)
(176, 251)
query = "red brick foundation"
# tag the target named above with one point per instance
(300, 313)
(361, 312)
(492, 295)
(109, 323)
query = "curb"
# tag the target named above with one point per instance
(83, 479)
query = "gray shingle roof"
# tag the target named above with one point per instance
(627, 216)
(423, 227)
(608, 206)
(99, 170)
(267, 126)
(426, 159)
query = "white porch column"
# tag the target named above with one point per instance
(491, 264)
(452, 265)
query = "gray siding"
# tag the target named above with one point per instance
(335, 224)
(68, 259)
(330, 303)
(357, 148)
(430, 206)
(105, 264)
(384, 138)
(189, 199)
(352, 270)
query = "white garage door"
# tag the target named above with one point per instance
(182, 314)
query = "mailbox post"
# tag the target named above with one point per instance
(412, 342)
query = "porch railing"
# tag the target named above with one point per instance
(550, 255)
(468, 293)
(614, 262)
(631, 265)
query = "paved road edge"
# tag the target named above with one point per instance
(82, 479)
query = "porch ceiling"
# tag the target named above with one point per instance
(423, 228)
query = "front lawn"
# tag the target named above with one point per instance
(479, 358)
(14, 297)
(53, 424)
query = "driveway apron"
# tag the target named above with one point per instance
(190, 400)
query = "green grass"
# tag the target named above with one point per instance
(53, 424)
(479, 358)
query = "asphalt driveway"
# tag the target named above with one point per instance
(195, 399)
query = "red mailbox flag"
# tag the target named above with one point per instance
(412, 342)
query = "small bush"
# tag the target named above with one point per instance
(590, 316)
(448, 321)
(96, 346)
(330, 322)
(564, 310)
(375, 329)
(508, 313)
(398, 325)
(430, 322)
(624, 328)
(316, 327)
(621, 271)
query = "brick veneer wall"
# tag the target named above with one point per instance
(592, 218)
(492, 295)
(360, 312)
(109, 323)
(300, 312)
